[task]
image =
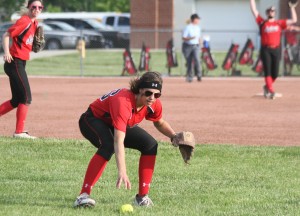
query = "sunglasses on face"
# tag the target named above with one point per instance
(34, 7)
(149, 93)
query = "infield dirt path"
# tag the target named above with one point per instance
(217, 111)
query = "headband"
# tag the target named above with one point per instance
(151, 85)
(31, 1)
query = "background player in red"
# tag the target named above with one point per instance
(15, 57)
(110, 124)
(291, 51)
(270, 32)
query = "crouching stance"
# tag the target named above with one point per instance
(110, 124)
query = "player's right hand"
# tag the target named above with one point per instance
(122, 177)
(7, 58)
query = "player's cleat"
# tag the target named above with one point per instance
(266, 91)
(273, 96)
(199, 79)
(23, 135)
(189, 79)
(143, 201)
(84, 200)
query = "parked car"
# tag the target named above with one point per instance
(112, 37)
(120, 22)
(55, 39)
(93, 39)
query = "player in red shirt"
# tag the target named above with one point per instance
(291, 48)
(111, 125)
(270, 32)
(15, 57)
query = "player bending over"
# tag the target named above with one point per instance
(110, 124)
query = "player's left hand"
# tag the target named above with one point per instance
(293, 3)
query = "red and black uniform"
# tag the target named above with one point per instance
(291, 37)
(270, 32)
(22, 34)
(117, 110)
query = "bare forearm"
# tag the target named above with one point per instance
(119, 148)
(253, 8)
(120, 151)
(294, 15)
(120, 158)
(187, 38)
(165, 128)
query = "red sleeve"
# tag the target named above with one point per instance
(259, 20)
(19, 26)
(120, 111)
(156, 113)
(282, 24)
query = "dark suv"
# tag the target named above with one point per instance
(113, 39)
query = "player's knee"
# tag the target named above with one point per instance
(28, 101)
(106, 154)
(151, 150)
(14, 103)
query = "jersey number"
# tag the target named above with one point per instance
(112, 93)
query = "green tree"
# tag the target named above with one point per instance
(89, 5)
(7, 7)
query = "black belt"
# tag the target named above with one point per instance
(272, 47)
(192, 44)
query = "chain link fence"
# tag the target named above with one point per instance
(92, 53)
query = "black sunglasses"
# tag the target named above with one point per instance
(149, 93)
(34, 7)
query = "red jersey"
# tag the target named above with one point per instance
(270, 31)
(118, 108)
(22, 33)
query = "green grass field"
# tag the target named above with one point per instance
(110, 63)
(44, 176)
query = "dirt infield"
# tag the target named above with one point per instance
(217, 110)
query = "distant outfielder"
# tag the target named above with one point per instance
(22, 34)
(270, 52)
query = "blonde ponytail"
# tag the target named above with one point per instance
(24, 10)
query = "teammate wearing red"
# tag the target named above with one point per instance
(270, 31)
(15, 57)
(291, 48)
(111, 124)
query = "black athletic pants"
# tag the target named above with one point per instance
(19, 84)
(271, 60)
(101, 135)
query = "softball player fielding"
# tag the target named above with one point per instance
(111, 125)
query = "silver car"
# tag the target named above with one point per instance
(93, 39)
(54, 39)
(57, 39)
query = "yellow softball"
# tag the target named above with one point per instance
(126, 208)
